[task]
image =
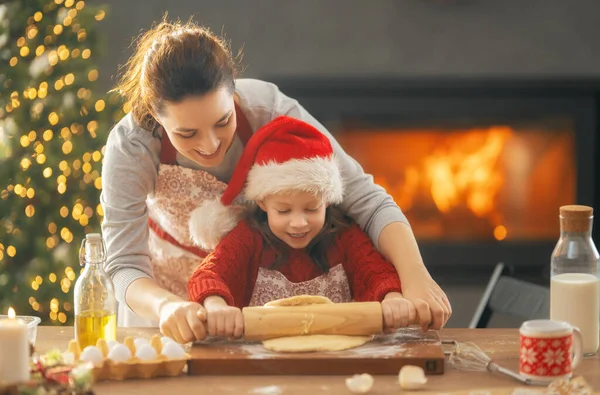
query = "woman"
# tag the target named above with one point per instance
(189, 122)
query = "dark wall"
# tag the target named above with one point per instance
(402, 38)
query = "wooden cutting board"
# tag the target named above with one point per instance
(386, 354)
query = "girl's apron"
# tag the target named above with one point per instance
(178, 192)
(271, 285)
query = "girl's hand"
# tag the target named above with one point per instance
(223, 320)
(182, 321)
(398, 312)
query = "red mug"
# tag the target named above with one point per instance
(549, 350)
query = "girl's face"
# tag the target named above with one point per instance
(294, 218)
(201, 128)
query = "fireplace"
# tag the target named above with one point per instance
(479, 167)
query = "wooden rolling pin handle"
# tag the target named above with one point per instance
(262, 323)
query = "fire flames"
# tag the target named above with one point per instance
(474, 183)
(462, 170)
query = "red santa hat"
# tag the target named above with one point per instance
(284, 155)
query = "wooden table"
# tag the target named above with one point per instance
(500, 344)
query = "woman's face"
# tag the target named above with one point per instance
(201, 128)
(294, 218)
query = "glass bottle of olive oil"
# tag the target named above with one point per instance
(95, 303)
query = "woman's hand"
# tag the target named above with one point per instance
(182, 321)
(178, 319)
(432, 304)
(223, 320)
(398, 312)
(397, 243)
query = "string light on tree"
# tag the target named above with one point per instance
(53, 126)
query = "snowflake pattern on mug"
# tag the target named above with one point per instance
(546, 357)
(554, 356)
(528, 355)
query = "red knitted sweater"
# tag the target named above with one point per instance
(230, 271)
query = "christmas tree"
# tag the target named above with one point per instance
(53, 127)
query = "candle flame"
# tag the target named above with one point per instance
(11, 313)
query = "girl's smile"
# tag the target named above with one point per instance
(294, 218)
(298, 235)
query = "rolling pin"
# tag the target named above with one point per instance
(268, 322)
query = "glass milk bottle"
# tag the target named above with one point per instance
(574, 281)
(95, 302)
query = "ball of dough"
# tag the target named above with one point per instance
(360, 383)
(412, 377)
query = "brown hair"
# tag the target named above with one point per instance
(335, 221)
(172, 61)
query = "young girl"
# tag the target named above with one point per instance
(293, 239)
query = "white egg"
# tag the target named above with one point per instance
(360, 383)
(111, 344)
(139, 342)
(92, 354)
(146, 353)
(173, 350)
(411, 377)
(119, 353)
(164, 340)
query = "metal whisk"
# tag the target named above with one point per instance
(469, 357)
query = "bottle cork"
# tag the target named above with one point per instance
(575, 218)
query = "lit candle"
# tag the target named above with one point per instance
(14, 346)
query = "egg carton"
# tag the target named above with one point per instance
(134, 367)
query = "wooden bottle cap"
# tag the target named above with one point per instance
(576, 218)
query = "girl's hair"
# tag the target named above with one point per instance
(172, 61)
(335, 220)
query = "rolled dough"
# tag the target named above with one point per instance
(310, 343)
(315, 343)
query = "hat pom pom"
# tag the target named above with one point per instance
(211, 221)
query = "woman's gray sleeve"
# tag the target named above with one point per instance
(128, 176)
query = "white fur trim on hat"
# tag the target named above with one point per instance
(212, 220)
(318, 175)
